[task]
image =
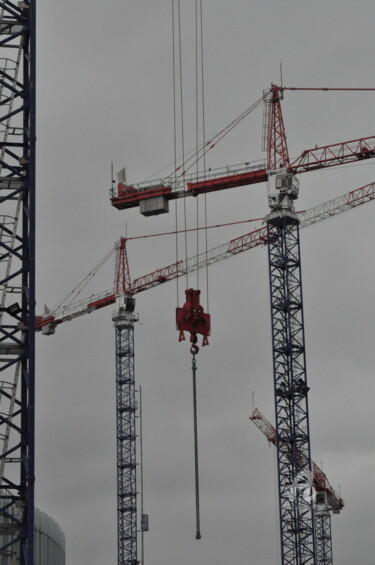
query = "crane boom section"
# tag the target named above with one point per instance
(243, 174)
(233, 247)
(333, 155)
(320, 481)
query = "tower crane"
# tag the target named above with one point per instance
(326, 499)
(123, 294)
(48, 322)
(288, 341)
(17, 280)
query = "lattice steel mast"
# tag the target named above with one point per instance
(17, 280)
(124, 318)
(323, 530)
(326, 499)
(288, 348)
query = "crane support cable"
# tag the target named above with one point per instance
(326, 89)
(68, 299)
(204, 152)
(197, 125)
(201, 151)
(174, 140)
(199, 114)
(198, 153)
(194, 229)
(182, 129)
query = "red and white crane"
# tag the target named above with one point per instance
(326, 498)
(123, 284)
(282, 237)
(123, 293)
(320, 481)
(153, 196)
(282, 226)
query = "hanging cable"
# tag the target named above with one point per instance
(175, 140)
(182, 129)
(196, 460)
(204, 155)
(197, 125)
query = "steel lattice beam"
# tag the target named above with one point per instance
(17, 280)
(291, 407)
(124, 319)
(323, 537)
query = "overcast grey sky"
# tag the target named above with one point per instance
(105, 94)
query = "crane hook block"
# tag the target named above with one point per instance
(191, 318)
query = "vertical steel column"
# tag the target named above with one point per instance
(291, 407)
(323, 536)
(17, 280)
(124, 319)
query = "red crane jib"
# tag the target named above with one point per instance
(129, 196)
(230, 181)
(191, 318)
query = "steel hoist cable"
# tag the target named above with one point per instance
(196, 459)
(175, 139)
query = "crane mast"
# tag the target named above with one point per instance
(124, 318)
(323, 530)
(290, 389)
(326, 499)
(288, 351)
(17, 280)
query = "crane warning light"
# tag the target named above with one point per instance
(191, 318)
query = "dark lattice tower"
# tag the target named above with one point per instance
(124, 318)
(290, 383)
(17, 280)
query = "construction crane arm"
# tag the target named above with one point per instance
(48, 322)
(237, 175)
(320, 481)
(333, 155)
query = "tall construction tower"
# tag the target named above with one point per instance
(17, 279)
(288, 349)
(326, 499)
(124, 318)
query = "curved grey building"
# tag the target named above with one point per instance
(49, 543)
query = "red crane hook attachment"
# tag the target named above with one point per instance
(191, 318)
